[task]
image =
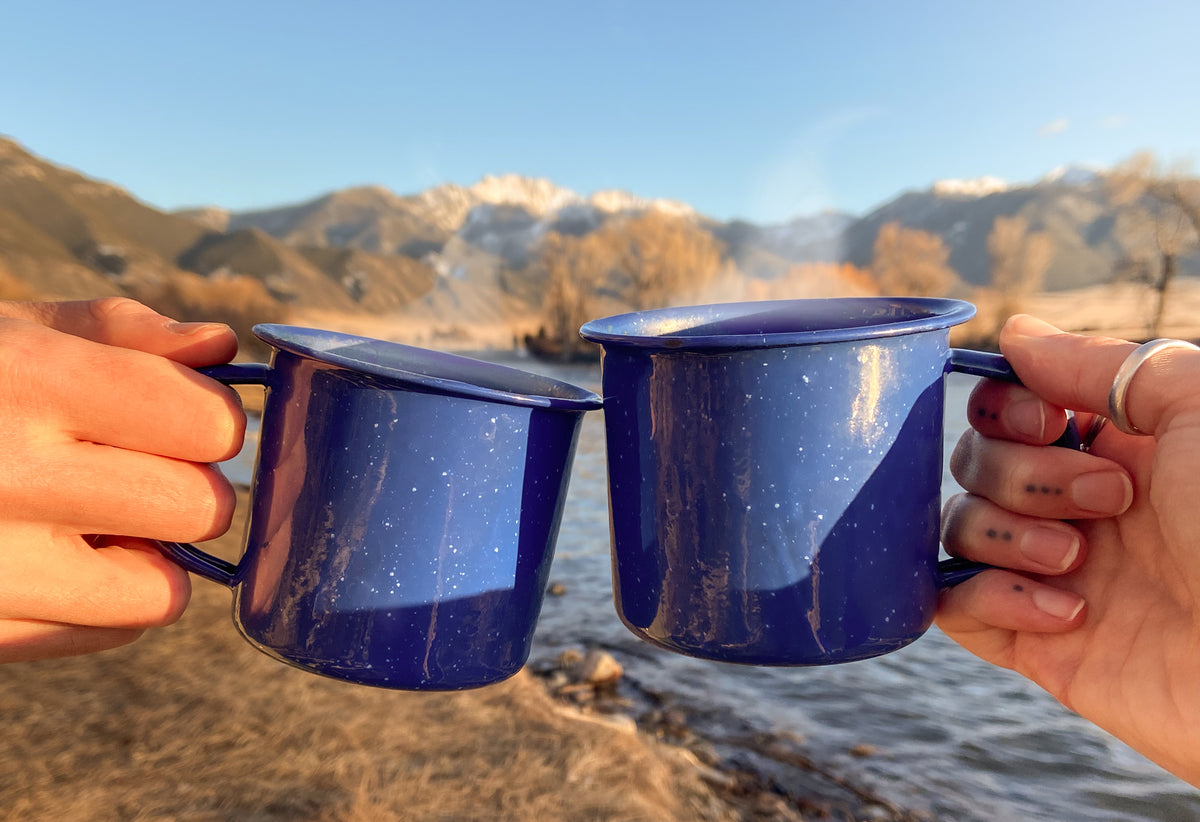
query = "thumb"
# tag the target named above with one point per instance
(125, 323)
(1075, 371)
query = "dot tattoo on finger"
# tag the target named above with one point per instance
(997, 534)
(1044, 490)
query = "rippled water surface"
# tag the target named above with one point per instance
(955, 737)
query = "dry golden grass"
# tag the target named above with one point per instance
(191, 723)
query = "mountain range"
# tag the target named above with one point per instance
(463, 251)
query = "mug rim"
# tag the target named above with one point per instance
(662, 328)
(463, 376)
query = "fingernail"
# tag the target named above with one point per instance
(1059, 604)
(1027, 417)
(1049, 547)
(1102, 492)
(195, 329)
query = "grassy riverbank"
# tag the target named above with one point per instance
(191, 723)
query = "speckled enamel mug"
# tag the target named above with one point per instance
(405, 505)
(775, 472)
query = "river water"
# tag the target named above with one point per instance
(954, 737)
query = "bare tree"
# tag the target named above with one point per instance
(911, 262)
(1160, 218)
(1019, 260)
(575, 267)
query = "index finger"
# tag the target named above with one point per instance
(125, 323)
(1077, 372)
(67, 385)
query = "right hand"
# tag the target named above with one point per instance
(1099, 597)
(106, 439)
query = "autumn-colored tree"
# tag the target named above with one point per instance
(911, 262)
(662, 257)
(1019, 259)
(574, 268)
(1160, 219)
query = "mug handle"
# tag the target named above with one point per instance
(951, 572)
(184, 554)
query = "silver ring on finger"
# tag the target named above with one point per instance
(1117, 411)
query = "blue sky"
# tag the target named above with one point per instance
(763, 111)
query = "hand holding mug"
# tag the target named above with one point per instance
(1102, 605)
(107, 430)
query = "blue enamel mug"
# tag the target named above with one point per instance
(404, 509)
(775, 473)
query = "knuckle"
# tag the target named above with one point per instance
(114, 319)
(218, 424)
(954, 514)
(170, 600)
(199, 505)
(151, 592)
(162, 597)
(232, 426)
(109, 309)
(963, 461)
(215, 508)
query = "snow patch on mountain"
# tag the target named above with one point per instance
(534, 194)
(978, 187)
(614, 201)
(1074, 174)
